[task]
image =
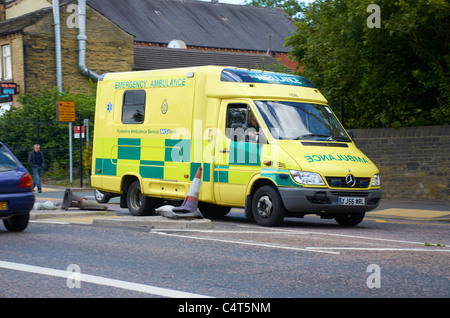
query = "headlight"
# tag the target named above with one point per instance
(376, 181)
(304, 177)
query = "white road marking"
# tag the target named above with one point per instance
(379, 249)
(292, 232)
(100, 280)
(49, 222)
(359, 237)
(331, 250)
(229, 231)
(277, 246)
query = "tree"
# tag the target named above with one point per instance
(293, 8)
(36, 122)
(392, 76)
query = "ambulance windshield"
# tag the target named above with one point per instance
(301, 121)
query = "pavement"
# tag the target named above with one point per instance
(388, 209)
(94, 213)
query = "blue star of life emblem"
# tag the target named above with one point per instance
(109, 108)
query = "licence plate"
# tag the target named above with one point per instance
(3, 206)
(351, 201)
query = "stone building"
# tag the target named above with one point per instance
(27, 51)
(177, 33)
(204, 32)
(15, 8)
(134, 35)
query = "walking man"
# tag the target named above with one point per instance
(37, 164)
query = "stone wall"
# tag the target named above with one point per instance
(108, 49)
(414, 162)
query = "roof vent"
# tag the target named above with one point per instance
(177, 44)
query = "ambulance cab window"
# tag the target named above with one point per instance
(133, 110)
(241, 123)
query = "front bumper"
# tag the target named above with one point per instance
(317, 200)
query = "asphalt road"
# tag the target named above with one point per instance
(303, 258)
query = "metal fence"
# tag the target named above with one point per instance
(21, 136)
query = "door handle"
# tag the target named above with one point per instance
(224, 150)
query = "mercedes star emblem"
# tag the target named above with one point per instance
(351, 181)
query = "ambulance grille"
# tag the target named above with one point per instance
(350, 193)
(339, 182)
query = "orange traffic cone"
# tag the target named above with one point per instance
(71, 200)
(190, 203)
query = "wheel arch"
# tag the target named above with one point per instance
(257, 182)
(127, 180)
(254, 184)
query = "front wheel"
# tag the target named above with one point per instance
(267, 206)
(350, 219)
(138, 203)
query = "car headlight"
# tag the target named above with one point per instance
(376, 181)
(305, 177)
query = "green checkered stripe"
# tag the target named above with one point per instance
(281, 177)
(248, 156)
(241, 154)
(130, 150)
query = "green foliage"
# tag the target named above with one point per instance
(36, 122)
(293, 8)
(274, 67)
(430, 244)
(393, 76)
(87, 160)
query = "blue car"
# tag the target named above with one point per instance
(16, 195)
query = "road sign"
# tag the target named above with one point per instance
(65, 112)
(76, 130)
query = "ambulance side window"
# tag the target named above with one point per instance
(241, 125)
(133, 108)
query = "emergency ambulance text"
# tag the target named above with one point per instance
(330, 157)
(166, 82)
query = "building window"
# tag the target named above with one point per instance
(6, 62)
(133, 111)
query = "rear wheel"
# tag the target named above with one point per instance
(17, 222)
(101, 197)
(350, 219)
(138, 203)
(267, 206)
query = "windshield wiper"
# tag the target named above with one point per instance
(342, 139)
(313, 135)
(328, 138)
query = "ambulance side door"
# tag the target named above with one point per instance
(235, 163)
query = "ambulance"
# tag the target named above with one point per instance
(266, 142)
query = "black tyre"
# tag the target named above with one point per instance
(267, 206)
(138, 203)
(213, 211)
(101, 197)
(350, 219)
(17, 222)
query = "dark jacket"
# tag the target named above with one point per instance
(33, 160)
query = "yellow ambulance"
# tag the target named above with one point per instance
(267, 142)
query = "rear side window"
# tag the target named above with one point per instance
(133, 109)
(7, 161)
